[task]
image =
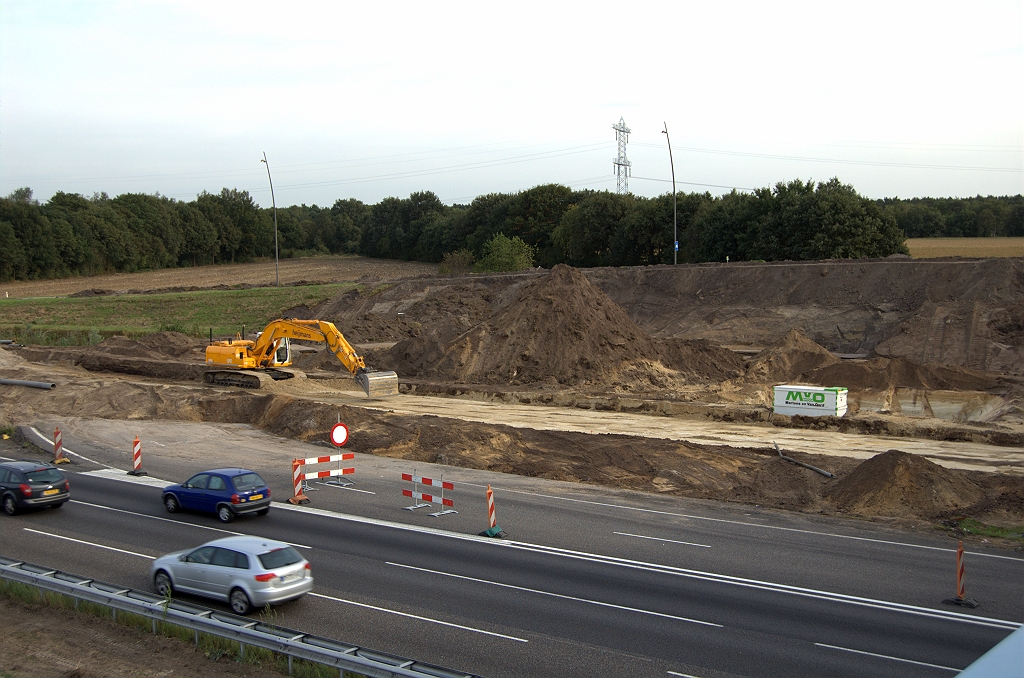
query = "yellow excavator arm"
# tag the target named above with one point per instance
(264, 352)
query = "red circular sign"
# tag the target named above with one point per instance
(339, 435)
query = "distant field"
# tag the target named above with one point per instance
(931, 248)
(65, 320)
(322, 269)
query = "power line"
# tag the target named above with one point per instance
(841, 162)
(694, 183)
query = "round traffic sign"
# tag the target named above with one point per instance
(339, 435)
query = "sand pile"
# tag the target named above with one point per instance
(558, 328)
(699, 360)
(899, 484)
(886, 373)
(789, 360)
(10, 359)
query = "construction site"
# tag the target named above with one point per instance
(655, 379)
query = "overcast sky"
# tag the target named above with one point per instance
(369, 100)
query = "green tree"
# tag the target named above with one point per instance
(505, 254)
(13, 262)
(586, 230)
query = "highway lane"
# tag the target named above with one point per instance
(853, 557)
(504, 609)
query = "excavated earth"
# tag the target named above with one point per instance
(927, 348)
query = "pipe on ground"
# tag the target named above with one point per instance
(32, 384)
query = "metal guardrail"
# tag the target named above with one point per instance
(245, 631)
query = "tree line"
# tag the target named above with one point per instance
(74, 235)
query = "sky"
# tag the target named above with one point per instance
(369, 100)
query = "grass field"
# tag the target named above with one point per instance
(65, 320)
(932, 248)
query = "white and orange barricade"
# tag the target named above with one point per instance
(335, 473)
(297, 482)
(493, 529)
(961, 587)
(58, 448)
(136, 458)
(447, 504)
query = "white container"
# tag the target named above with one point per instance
(810, 401)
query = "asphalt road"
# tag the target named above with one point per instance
(710, 602)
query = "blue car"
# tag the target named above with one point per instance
(228, 492)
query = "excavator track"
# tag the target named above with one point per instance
(248, 378)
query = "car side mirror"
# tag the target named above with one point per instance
(187, 486)
(182, 558)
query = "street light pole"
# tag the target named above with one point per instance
(675, 227)
(277, 275)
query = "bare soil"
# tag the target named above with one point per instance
(633, 335)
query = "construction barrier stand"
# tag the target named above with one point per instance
(297, 481)
(419, 497)
(58, 448)
(336, 474)
(494, 530)
(961, 586)
(136, 458)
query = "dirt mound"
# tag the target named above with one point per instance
(10, 359)
(886, 373)
(787, 360)
(558, 328)
(173, 344)
(700, 360)
(899, 484)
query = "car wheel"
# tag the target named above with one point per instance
(10, 506)
(240, 602)
(163, 584)
(225, 513)
(171, 503)
(263, 511)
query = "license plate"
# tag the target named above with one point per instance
(47, 493)
(291, 577)
(255, 497)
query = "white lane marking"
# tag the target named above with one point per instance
(946, 615)
(665, 569)
(350, 489)
(6, 458)
(89, 543)
(73, 454)
(681, 675)
(673, 541)
(415, 616)
(176, 522)
(885, 656)
(555, 595)
(123, 476)
(747, 524)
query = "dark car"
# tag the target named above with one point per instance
(31, 484)
(228, 492)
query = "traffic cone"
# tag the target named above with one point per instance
(494, 530)
(137, 458)
(58, 448)
(961, 588)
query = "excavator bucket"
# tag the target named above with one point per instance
(378, 383)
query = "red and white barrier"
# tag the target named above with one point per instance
(297, 482)
(136, 459)
(336, 473)
(419, 496)
(493, 530)
(961, 586)
(58, 448)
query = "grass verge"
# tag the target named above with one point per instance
(978, 528)
(76, 321)
(213, 647)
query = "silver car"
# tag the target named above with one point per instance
(248, 572)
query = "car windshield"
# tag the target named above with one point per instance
(45, 475)
(248, 481)
(280, 558)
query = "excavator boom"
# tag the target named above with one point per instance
(271, 350)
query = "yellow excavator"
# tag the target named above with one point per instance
(252, 364)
